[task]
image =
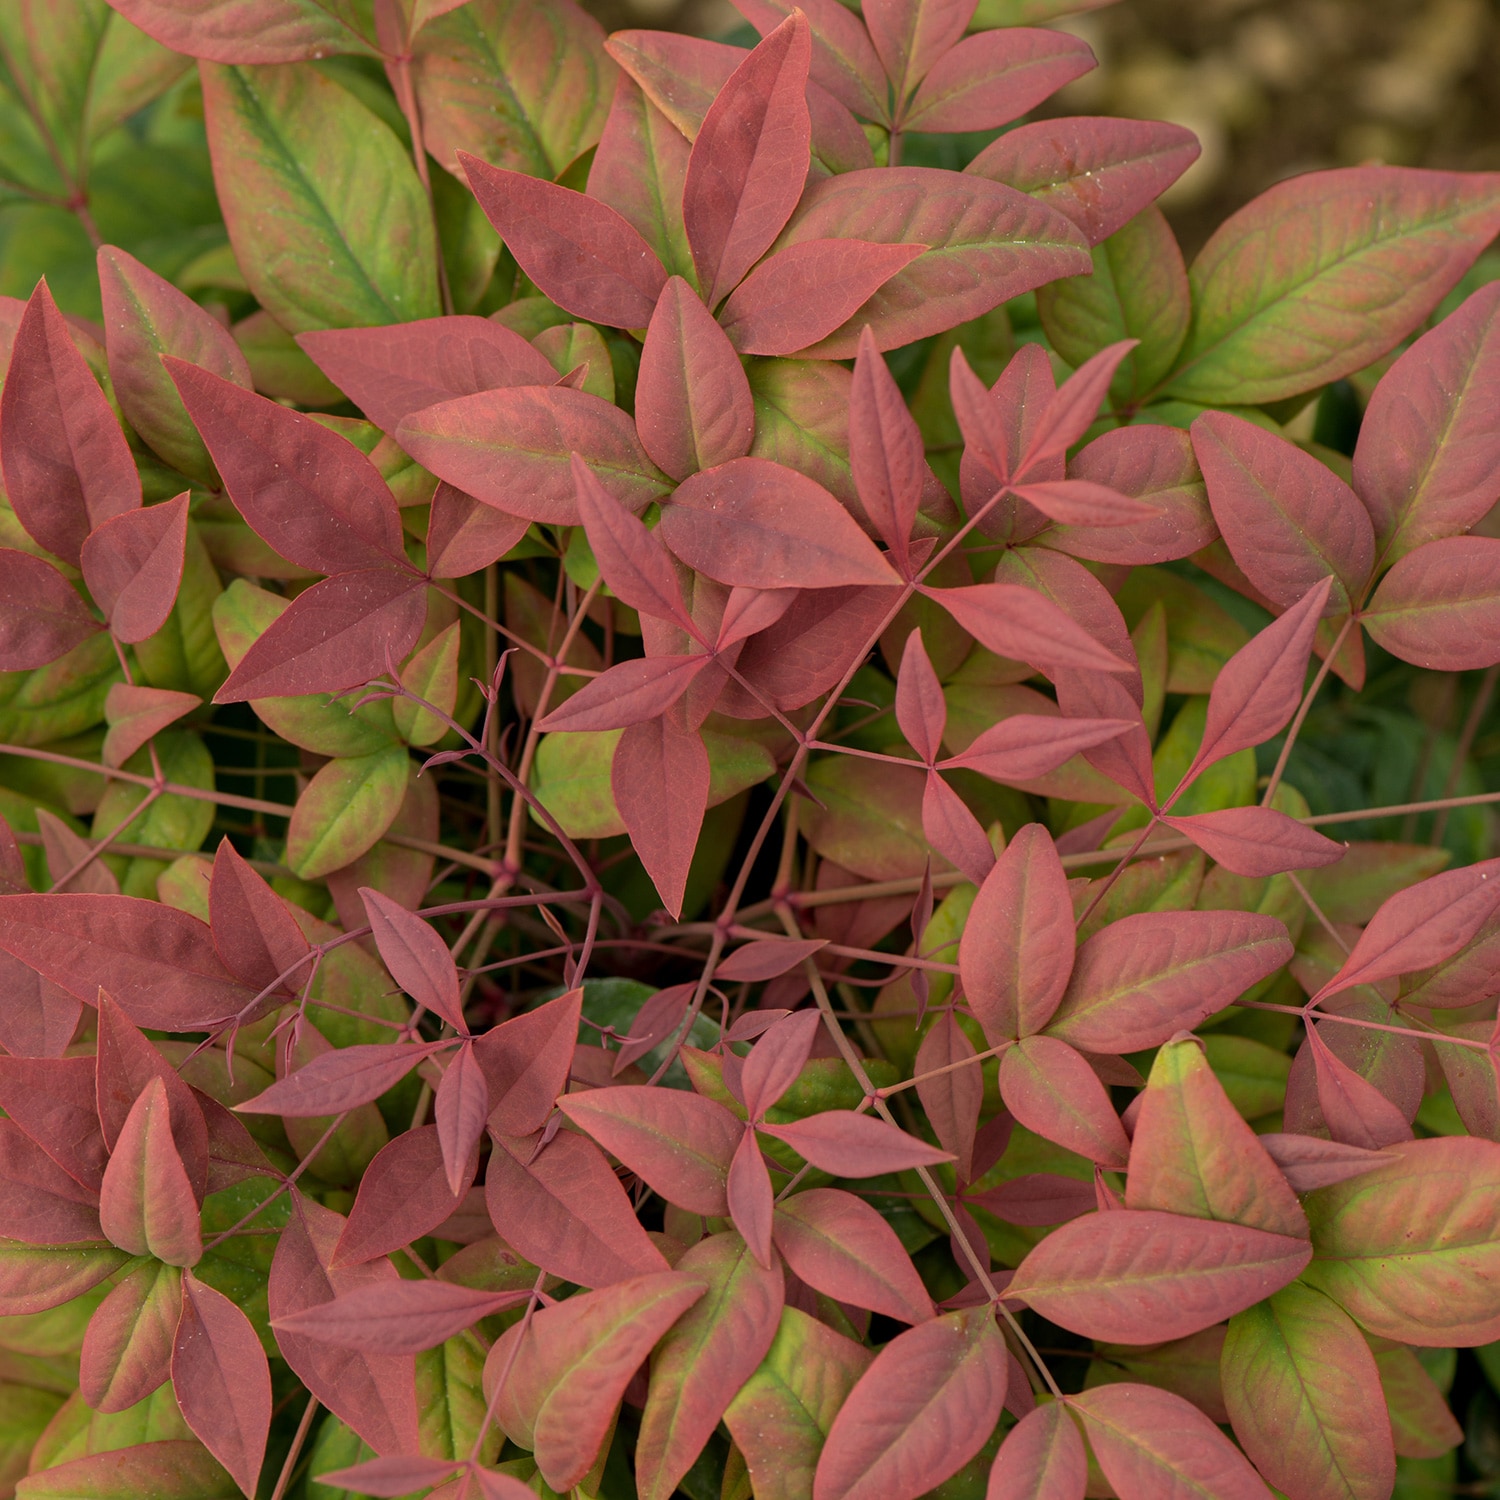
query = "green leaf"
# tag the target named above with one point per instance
(345, 809)
(328, 220)
(570, 345)
(184, 654)
(1324, 273)
(451, 1400)
(1139, 290)
(1369, 875)
(24, 1412)
(171, 821)
(58, 701)
(34, 1278)
(871, 818)
(783, 1412)
(432, 674)
(802, 419)
(1253, 1075)
(1303, 1393)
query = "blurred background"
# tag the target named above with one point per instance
(1271, 87)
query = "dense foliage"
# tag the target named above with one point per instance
(670, 719)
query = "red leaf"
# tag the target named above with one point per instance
(132, 565)
(630, 693)
(750, 159)
(1308, 1163)
(158, 962)
(749, 1196)
(401, 1318)
(308, 493)
(767, 959)
(1139, 1276)
(465, 535)
(885, 448)
(634, 563)
(66, 464)
(254, 933)
(1151, 974)
(1260, 686)
(843, 61)
(839, 1245)
(343, 1079)
(222, 1381)
(391, 372)
(654, 1022)
(660, 779)
(127, 1347)
(990, 79)
(67, 851)
(987, 423)
(526, 1063)
(1082, 503)
(952, 1099)
(404, 1194)
(513, 449)
(1425, 466)
(1072, 410)
(135, 714)
(460, 1109)
(681, 1145)
(53, 1101)
(44, 1205)
(1257, 841)
(1146, 1440)
(847, 1144)
(921, 1411)
(954, 831)
(921, 711)
(375, 1394)
(1053, 1091)
(756, 523)
(1439, 607)
(1421, 926)
(564, 1210)
(692, 399)
(146, 1203)
(41, 615)
(802, 293)
(1288, 520)
(399, 1475)
(1357, 1113)
(578, 251)
(1027, 746)
(777, 1058)
(1099, 172)
(1021, 624)
(1016, 952)
(912, 35)
(1040, 1199)
(1042, 1458)
(341, 633)
(417, 957)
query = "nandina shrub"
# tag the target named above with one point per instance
(698, 876)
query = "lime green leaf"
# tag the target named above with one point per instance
(345, 809)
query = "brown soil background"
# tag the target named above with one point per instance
(1271, 87)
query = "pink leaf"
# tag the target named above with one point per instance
(1053, 1091)
(135, 714)
(776, 1059)
(308, 493)
(990, 79)
(1151, 1443)
(53, 1100)
(132, 565)
(989, 439)
(1027, 746)
(749, 1197)
(634, 563)
(417, 957)
(1040, 1199)
(513, 449)
(564, 1210)
(756, 523)
(342, 1079)
(951, 1099)
(41, 615)
(222, 1381)
(460, 1110)
(1309, 1163)
(839, 1245)
(953, 830)
(579, 252)
(1084, 504)
(749, 611)
(1016, 952)
(1099, 172)
(921, 1411)
(885, 448)
(802, 293)
(526, 1062)
(630, 693)
(921, 711)
(912, 35)
(660, 779)
(404, 1317)
(1358, 1114)
(341, 633)
(1018, 623)
(1137, 1276)
(465, 535)
(843, 60)
(1257, 841)
(1151, 974)
(45, 1205)
(1042, 1458)
(127, 1347)
(146, 1202)
(66, 464)
(1072, 410)
(750, 159)
(1287, 520)
(847, 1144)
(254, 933)
(1260, 686)
(1439, 607)
(375, 1394)
(679, 1143)
(656, 1020)
(767, 959)
(692, 399)
(391, 372)
(397, 1475)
